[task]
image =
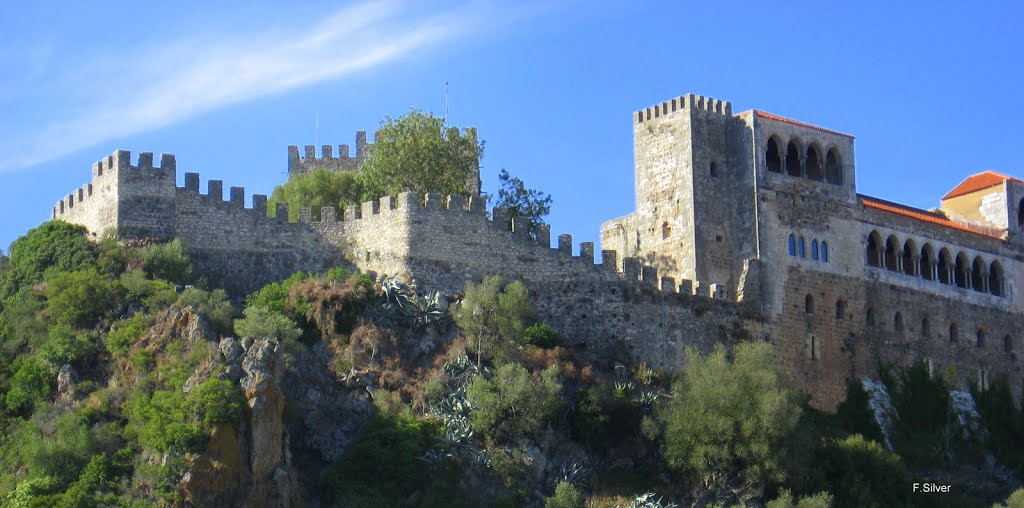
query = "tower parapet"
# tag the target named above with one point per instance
(327, 160)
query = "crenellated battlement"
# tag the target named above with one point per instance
(685, 103)
(343, 161)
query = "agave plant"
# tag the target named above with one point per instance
(403, 305)
(647, 400)
(572, 473)
(650, 500)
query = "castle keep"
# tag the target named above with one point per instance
(746, 226)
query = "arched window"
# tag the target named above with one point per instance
(945, 267)
(666, 230)
(891, 255)
(793, 160)
(960, 270)
(979, 275)
(713, 170)
(833, 167)
(814, 249)
(980, 337)
(801, 247)
(869, 317)
(809, 304)
(773, 157)
(824, 251)
(927, 263)
(954, 332)
(909, 263)
(1007, 343)
(813, 163)
(874, 250)
(995, 279)
(926, 328)
(897, 322)
(840, 309)
(792, 245)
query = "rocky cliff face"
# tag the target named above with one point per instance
(250, 467)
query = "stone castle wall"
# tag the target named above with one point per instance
(704, 260)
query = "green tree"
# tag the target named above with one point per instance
(31, 384)
(50, 248)
(924, 433)
(79, 299)
(64, 346)
(315, 190)
(1016, 500)
(262, 322)
(216, 401)
(167, 261)
(860, 472)
(523, 202)
(489, 312)
(566, 496)
(730, 424)
(514, 403)
(419, 152)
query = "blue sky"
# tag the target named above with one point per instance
(931, 91)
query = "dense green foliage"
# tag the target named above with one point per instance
(212, 304)
(854, 416)
(566, 496)
(492, 314)
(44, 251)
(80, 298)
(730, 423)
(521, 201)
(541, 335)
(316, 190)
(1016, 500)
(514, 403)
(262, 322)
(1004, 422)
(862, 473)
(167, 261)
(925, 432)
(417, 152)
(819, 500)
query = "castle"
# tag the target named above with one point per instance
(746, 226)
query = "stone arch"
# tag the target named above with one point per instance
(945, 266)
(809, 304)
(926, 264)
(874, 249)
(926, 327)
(840, 309)
(979, 275)
(814, 249)
(793, 164)
(824, 251)
(834, 167)
(909, 260)
(869, 316)
(891, 253)
(792, 245)
(979, 337)
(954, 332)
(961, 271)
(813, 163)
(773, 156)
(995, 279)
(897, 322)
(1007, 343)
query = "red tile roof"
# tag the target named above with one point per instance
(977, 182)
(924, 215)
(778, 118)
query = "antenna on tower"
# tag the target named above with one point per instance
(446, 102)
(316, 130)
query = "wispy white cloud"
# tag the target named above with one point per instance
(184, 78)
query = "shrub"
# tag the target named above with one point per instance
(785, 500)
(274, 296)
(334, 308)
(924, 432)
(861, 473)
(64, 346)
(213, 305)
(854, 415)
(514, 403)
(566, 496)
(123, 335)
(1004, 422)
(64, 454)
(262, 322)
(32, 384)
(79, 299)
(162, 421)
(315, 190)
(1016, 500)
(153, 294)
(541, 335)
(216, 401)
(167, 261)
(383, 467)
(21, 323)
(730, 424)
(50, 248)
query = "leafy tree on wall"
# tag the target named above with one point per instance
(315, 190)
(523, 202)
(418, 152)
